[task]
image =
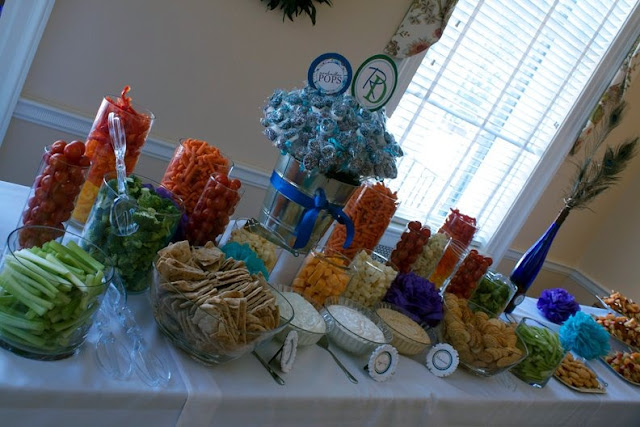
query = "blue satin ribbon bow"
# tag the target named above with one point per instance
(313, 206)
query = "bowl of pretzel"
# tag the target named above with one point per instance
(486, 345)
(210, 306)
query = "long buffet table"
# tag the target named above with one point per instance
(74, 392)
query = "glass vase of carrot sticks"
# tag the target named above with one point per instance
(371, 208)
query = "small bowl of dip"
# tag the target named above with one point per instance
(353, 327)
(307, 321)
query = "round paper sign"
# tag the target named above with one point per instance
(330, 73)
(374, 82)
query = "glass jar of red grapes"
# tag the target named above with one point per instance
(54, 192)
(214, 208)
(410, 246)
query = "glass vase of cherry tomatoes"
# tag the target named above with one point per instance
(61, 174)
(470, 270)
(211, 215)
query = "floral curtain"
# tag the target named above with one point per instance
(421, 27)
(611, 98)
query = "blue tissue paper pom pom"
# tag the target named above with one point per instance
(242, 252)
(581, 334)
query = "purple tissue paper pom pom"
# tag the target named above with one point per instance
(417, 296)
(557, 305)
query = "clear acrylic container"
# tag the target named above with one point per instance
(431, 254)
(211, 214)
(193, 162)
(447, 264)
(371, 209)
(494, 291)
(55, 190)
(49, 318)
(133, 254)
(467, 274)
(136, 121)
(545, 353)
(372, 278)
(323, 275)
(410, 246)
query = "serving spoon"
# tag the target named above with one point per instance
(123, 206)
(324, 343)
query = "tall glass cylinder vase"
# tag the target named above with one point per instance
(136, 121)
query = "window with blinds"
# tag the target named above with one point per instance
(488, 99)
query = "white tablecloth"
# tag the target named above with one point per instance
(73, 392)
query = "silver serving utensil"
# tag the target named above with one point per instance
(123, 206)
(324, 343)
(273, 373)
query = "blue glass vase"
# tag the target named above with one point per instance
(531, 262)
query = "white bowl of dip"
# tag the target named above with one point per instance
(353, 327)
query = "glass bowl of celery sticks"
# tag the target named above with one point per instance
(50, 288)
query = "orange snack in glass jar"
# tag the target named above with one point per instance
(371, 208)
(193, 162)
(468, 274)
(452, 255)
(322, 276)
(99, 149)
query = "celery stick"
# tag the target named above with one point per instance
(42, 262)
(24, 337)
(35, 303)
(23, 282)
(67, 256)
(69, 268)
(18, 274)
(18, 322)
(45, 286)
(50, 277)
(85, 256)
(30, 314)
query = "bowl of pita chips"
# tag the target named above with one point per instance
(210, 306)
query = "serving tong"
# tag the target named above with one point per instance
(120, 347)
(123, 207)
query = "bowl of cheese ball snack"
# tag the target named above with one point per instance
(307, 320)
(486, 345)
(353, 327)
(210, 306)
(409, 337)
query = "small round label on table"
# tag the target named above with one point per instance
(442, 360)
(289, 350)
(383, 362)
(330, 73)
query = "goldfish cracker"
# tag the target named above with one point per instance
(371, 208)
(265, 250)
(193, 162)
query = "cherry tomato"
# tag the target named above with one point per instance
(47, 206)
(57, 161)
(61, 176)
(74, 151)
(57, 147)
(84, 162)
(235, 184)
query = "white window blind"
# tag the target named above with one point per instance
(488, 99)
